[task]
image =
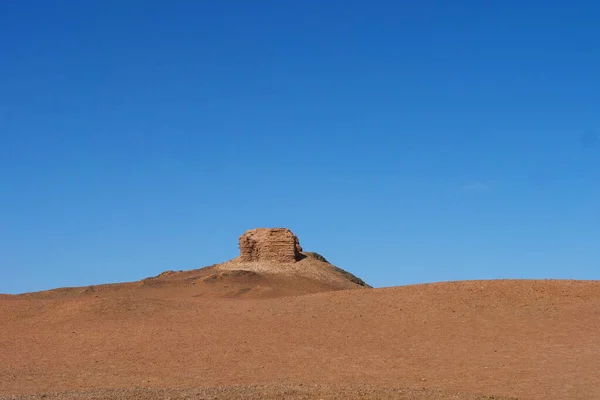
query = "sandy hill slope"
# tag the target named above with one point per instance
(169, 338)
(232, 279)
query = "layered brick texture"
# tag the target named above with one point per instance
(270, 244)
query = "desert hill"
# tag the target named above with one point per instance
(526, 339)
(271, 264)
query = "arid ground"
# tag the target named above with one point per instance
(240, 331)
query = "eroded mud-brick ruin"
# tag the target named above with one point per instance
(270, 244)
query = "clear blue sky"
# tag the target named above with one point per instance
(407, 141)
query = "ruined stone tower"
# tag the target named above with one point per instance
(270, 244)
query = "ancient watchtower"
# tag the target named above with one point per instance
(270, 244)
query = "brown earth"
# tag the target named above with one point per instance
(262, 392)
(527, 339)
(299, 330)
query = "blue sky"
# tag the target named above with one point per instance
(407, 141)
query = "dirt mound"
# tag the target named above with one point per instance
(537, 340)
(227, 280)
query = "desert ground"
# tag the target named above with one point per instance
(303, 330)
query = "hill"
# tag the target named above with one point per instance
(158, 338)
(271, 264)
